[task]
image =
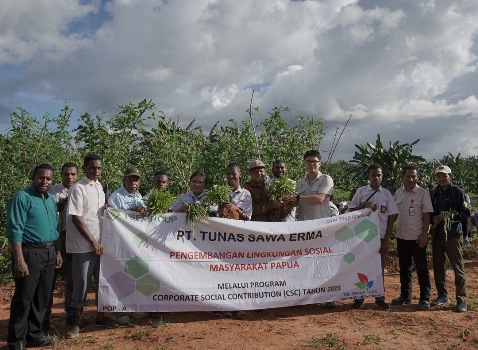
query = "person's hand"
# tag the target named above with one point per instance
(290, 199)
(277, 205)
(97, 247)
(422, 240)
(370, 205)
(438, 218)
(384, 246)
(20, 269)
(59, 260)
(141, 210)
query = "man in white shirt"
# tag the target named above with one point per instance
(86, 203)
(415, 208)
(375, 197)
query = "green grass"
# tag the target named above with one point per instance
(330, 340)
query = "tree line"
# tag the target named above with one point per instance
(139, 135)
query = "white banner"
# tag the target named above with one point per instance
(160, 264)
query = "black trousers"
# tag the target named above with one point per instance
(408, 249)
(31, 297)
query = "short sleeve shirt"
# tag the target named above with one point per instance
(86, 199)
(321, 184)
(411, 207)
(242, 199)
(122, 199)
(188, 198)
(383, 199)
(59, 191)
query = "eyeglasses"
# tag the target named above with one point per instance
(312, 162)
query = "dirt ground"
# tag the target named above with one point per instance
(302, 327)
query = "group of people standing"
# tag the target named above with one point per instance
(50, 226)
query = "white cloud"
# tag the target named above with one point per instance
(400, 67)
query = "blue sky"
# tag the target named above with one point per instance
(404, 69)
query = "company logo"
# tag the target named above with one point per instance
(363, 283)
(112, 214)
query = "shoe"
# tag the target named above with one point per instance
(42, 341)
(122, 319)
(227, 314)
(330, 305)
(19, 345)
(72, 331)
(106, 322)
(215, 313)
(461, 307)
(381, 304)
(140, 315)
(440, 301)
(423, 305)
(357, 304)
(240, 313)
(401, 300)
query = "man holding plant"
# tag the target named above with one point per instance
(261, 207)
(449, 211)
(279, 170)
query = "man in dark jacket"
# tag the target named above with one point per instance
(449, 211)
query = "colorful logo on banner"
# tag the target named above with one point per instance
(363, 283)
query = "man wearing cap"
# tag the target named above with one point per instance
(257, 187)
(449, 211)
(128, 196)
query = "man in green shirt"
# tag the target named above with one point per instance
(32, 233)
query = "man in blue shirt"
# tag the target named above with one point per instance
(32, 233)
(128, 196)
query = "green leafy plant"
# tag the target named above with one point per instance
(196, 212)
(217, 194)
(159, 201)
(275, 192)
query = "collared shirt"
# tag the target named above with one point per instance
(411, 207)
(293, 213)
(383, 199)
(242, 199)
(59, 191)
(322, 183)
(122, 199)
(260, 211)
(188, 198)
(31, 218)
(86, 199)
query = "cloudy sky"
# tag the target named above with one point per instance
(404, 69)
